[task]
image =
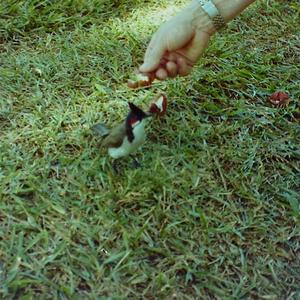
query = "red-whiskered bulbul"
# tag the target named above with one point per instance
(128, 136)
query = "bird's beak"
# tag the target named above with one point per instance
(149, 114)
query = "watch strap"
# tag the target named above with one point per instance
(213, 12)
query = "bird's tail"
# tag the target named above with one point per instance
(100, 129)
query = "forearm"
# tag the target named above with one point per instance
(232, 8)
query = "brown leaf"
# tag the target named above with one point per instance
(139, 80)
(159, 107)
(280, 99)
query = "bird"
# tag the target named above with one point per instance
(127, 137)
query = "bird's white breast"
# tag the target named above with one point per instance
(127, 148)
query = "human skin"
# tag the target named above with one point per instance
(179, 43)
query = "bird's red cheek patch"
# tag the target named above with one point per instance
(133, 121)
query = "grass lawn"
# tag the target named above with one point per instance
(214, 213)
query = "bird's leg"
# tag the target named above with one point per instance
(135, 163)
(116, 166)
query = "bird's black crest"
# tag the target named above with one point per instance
(137, 111)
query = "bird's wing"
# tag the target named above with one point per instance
(100, 129)
(115, 137)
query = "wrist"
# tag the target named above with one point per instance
(200, 19)
(231, 9)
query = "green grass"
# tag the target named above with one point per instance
(215, 211)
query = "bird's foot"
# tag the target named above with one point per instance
(116, 167)
(135, 163)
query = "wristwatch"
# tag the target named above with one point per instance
(213, 12)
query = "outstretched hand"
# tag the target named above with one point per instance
(178, 44)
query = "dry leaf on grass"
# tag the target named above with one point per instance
(280, 99)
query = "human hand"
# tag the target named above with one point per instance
(178, 44)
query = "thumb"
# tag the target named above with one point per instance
(153, 55)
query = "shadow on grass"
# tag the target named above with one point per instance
(19, 17)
